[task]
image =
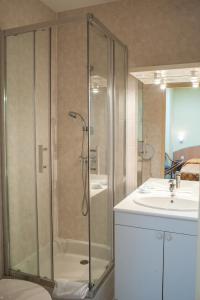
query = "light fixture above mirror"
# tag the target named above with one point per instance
(188, 74)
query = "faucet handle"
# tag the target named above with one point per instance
(171, 185)
(178, 179)
(171, 180)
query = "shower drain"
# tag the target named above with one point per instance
(84, 262)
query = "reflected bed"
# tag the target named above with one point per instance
(191, 168)
(190, 171)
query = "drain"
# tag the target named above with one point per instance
(84, 262)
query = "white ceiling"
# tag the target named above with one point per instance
(170, 76)
(63, 5)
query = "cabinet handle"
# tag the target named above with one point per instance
(159, 235)
(168, 237)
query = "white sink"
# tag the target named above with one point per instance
(167, 203)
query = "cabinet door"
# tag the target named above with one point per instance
(139, 263)
(179, 267)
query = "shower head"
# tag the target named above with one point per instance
(74, 114)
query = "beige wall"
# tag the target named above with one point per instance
(72, 96)
(154, 130)
(169, 38)
(161, 32)
(15, 13)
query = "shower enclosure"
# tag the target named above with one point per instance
(61, 179)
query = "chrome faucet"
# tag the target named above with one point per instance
(178, 179)
(171, 188)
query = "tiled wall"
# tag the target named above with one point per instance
(15, 13)
(159, 32)
(72, 96)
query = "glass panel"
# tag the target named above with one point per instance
(101, 200)
(120, 119)
(71, 247)
(20, 125)
(42, 109)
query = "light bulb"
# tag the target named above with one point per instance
(195, 84)
(163, 85)
(157, 78)
(181, 137)
(95, 89)
(194, 77)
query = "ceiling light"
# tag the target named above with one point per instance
(163, 73)
(157, 78)
(163, 85)
(95, 91)
(195, 84)
(194, 77)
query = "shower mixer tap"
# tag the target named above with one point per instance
(84, 160)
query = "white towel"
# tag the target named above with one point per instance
(65, 289)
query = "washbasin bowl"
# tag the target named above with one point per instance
(167, 203)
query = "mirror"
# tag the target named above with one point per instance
(168, 123)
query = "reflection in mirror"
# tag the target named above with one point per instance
(168, 122)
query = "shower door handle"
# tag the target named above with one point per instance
(41, 165)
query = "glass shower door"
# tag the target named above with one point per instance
(43, 150)
(107, 142)
(28, 168)
(101, 195)
(21, 173)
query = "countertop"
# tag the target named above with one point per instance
(158, 185)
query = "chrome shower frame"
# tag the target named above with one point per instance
(89, 20)
(8, 272)
(93, 21)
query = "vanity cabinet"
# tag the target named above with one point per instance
(179, 266)
(154, 264)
